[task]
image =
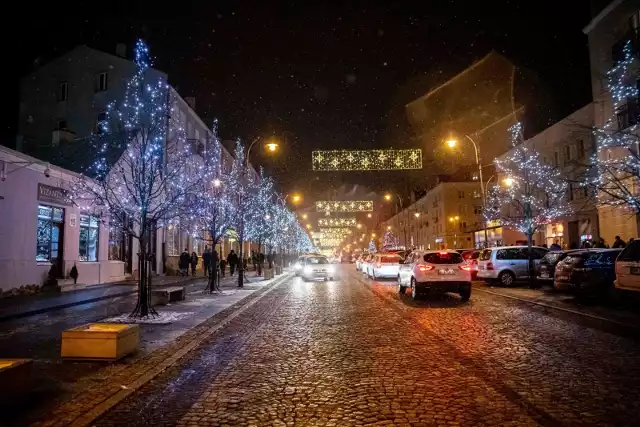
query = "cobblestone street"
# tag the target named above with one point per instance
(350, 352)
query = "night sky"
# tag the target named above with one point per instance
(329, 76)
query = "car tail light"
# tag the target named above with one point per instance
(489, 266)
(465, 267)
(425, 267)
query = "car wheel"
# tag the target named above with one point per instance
(326, 279)
(506, 278)
(331, 278)
(401, 289)
(415, 295)
(465, 294)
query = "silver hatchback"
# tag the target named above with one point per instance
(506, 264)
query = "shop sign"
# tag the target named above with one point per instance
(50, 194)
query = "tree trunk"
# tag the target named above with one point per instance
(531, 264)
(241, 256)
(143, 306)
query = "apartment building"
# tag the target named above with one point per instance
(612, 25)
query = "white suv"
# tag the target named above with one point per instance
(440, 271)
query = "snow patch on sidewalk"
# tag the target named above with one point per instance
(163, 318)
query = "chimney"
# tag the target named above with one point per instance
(191, 101)
(121, 50)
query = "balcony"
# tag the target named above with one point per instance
(62, 135)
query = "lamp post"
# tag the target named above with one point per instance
(416, 215)
(452, 143)
(455, 220)
(213, 284)
(388, 197)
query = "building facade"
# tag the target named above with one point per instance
(611, 27)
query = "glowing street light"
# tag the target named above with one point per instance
(296, 198)
(388, 227)
(272, 146)
(368, 215)
(508, 181)
(304, 216)
(417, 214)
(309, 226)
(452, 143)
(373, 234)
(387, 196)
(359, 225)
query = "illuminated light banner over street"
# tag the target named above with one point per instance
(337, 222)
(327, 243)
(364, 160)
(335, 233)
(344, 206)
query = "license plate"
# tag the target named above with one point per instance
(446, 272)
(635, 270)
(544, 275)
(563, 277)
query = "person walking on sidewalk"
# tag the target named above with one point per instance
(183, 264)
(223, 266)
(232, 259)
(618, 243)
(206, 261)
(194, 262)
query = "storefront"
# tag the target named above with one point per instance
(42, 230)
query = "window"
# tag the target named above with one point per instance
(117, 239)
(556, 159)
(101, 124)
(567, 154)
(49, 233)
(63, 91)
(443, 258)
(460, 194)
(101, 82)
(580, 148)
(89, 233)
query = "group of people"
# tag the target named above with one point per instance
(211, 261)
(586, 244)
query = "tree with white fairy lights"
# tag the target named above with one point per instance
(534, 193)
(260, 225)
(212, 210)
(390, 240)
(617, 160)
(141, 178)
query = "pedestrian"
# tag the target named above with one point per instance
(270, 260)
(555, 246)
(260, 263)
(223, 266)
(600, 243)
(183, 263)
(206, 260)
(618, 243)
(194, 262)
(232, 260)
(254, 260)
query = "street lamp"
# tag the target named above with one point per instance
(309, 226)
(368, 215)
(454, 220)
(359, 226)
(508, 181)
(388, 227)
(452, 143)
(388, 197)
(304, 216)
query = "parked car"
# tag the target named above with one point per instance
(471, 256)
(627, 267)
(360, 261)
(506, 264)
(384, 266)
(587, 272)
(547, 265)
(438, 271)
(317, 267)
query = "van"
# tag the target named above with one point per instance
(506, 264)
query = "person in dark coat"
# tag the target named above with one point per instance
(555, 246)
(194, 262)
(183, 263)
(223, 266)
(206, 260)
(618, 243)
(232, 260)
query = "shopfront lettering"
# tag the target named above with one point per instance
(53, 195)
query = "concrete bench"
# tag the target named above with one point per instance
(278, 270)
(268, 273)
(164, 296)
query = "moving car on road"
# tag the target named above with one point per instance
(384, 266)
(439, 271)
(317, 267)
(506, 264)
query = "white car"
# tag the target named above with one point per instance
(317, 267)
(362, 263)
(438, 271)
(297, 266)
(384, 266)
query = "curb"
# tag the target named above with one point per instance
(603, 322)
(34, 312)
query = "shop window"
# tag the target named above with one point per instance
(49, 234)
(89, 236)
(117, 239)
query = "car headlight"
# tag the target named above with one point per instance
(298, 266)
(307, 269)
(331, 269)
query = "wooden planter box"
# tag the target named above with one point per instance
(15, 375)
(278, 270)
(268, 274)
(100, 341)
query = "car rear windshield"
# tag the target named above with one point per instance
(317, 260)
(485, 255)
(470, 255)
(551, 258)
(631, 252)
(390, 259)
(576, 258)
(443, 258)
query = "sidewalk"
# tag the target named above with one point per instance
(15, 308)
(627, 316)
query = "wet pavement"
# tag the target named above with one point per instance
(351, 352)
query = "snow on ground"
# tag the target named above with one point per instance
(163, 318)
